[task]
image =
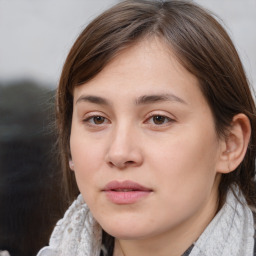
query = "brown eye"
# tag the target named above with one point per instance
(98, 119)
(158, 120)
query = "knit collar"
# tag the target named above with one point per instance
(230, 233)
(76, 234)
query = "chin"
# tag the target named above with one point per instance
(127, 234)
(129, 231)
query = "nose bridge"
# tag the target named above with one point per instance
(122, 138)
(123, 146)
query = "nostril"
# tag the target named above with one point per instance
(111, 164)
(121, 165)
(129, 162)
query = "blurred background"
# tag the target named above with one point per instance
(35, 37)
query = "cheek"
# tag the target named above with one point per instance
(86, 151)
(87, 157)
(186, 176)
(186, 164)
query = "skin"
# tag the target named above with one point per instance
(168, 145)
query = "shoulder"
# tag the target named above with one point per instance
(4, 253)
(46, 251)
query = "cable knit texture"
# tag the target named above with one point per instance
(230, 233)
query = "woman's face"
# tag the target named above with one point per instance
(144, 146)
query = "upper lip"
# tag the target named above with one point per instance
(125, 185)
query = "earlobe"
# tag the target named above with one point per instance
(71, 165)
(236, 143)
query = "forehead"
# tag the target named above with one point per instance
(148, 66)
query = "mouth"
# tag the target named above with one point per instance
(126, 192)
(125, 186)
(123, 190)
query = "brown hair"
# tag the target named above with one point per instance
(200, 44)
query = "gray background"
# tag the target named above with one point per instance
(35, 36)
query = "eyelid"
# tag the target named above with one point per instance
(170, 118)
(94, 113)
(160, 113)
(86, 118)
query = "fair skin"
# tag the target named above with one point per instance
(144, 119)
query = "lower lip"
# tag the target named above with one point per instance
(129, 197)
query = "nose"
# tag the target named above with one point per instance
(124, 149)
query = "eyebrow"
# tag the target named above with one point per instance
(93, 99)
(148, 99)
(142, 100)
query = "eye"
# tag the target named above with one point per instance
(95, 120)
(159, 120)
(98, 119)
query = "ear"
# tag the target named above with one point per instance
(234, 145)
(71, 164)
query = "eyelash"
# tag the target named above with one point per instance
(166, 120)
(90, 121)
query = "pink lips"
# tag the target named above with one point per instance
(126, 192)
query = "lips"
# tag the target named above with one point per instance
(126, 192)
(125, 186)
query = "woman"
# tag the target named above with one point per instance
(157, 131)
